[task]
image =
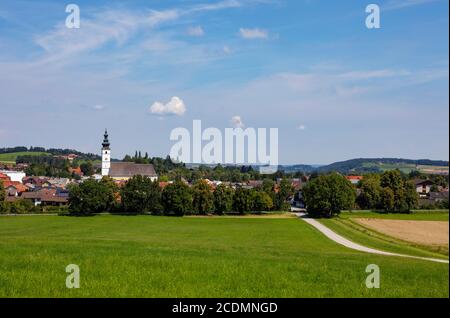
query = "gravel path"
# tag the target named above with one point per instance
(347, 243)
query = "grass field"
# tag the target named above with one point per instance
(422, 215)
(406, 167)
(146, 256)
(11, 157)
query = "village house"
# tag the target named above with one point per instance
(14, 188)
(354, 179)
(423, 187)
(45, 197)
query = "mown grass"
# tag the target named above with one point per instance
(357, 233)
(146, 256)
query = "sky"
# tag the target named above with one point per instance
(335, 89)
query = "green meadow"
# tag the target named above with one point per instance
(147, 256)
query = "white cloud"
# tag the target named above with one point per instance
(195, 31)
(175, 106)
(252, 34)
(301, 127)
(237, 122)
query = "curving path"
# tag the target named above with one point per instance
(347, 243)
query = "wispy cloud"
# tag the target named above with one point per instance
(400, 4)
(252, 34)
(195, 31)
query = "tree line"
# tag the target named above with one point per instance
(327, 195)
(141, 195)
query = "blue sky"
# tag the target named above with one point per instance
(335, 89)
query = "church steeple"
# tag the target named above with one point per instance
(106, 155)
(105, 143)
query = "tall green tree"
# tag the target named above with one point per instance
(370, 196)
(223, 199)
(388, 199)
(92, 196)
(242, 200)
(411, 196)
(261, 201)
(87, 168)
(327, 195)
(394, 181)
(140, 194)
(203, 199)
(177, 198)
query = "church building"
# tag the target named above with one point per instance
(122, 171)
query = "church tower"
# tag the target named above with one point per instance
(106, 155)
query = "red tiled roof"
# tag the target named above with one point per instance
(354, 177)
(4, 177)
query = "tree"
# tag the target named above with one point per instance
(388, 199)
(370, 196)
(403, 199)
(242, 200)
(223, 199)
(268, 185)
(203, 199)
(177, 198)
(87, 168)
(285, 191)
(411, 196)
(327, 195)
(92, 196)
(140, 194)
(262, 201)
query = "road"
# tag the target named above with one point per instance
(347, 243)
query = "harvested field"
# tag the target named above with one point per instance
(420, 232)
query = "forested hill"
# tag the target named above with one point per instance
(381, 164)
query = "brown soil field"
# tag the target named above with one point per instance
(420, 232)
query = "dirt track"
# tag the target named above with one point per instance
(420, 232)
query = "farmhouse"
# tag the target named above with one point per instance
(423, 187)
(122, 171)
(354, 179)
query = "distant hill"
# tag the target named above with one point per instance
(382, 164)
(365, 165)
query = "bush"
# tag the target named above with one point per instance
(21, 207)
